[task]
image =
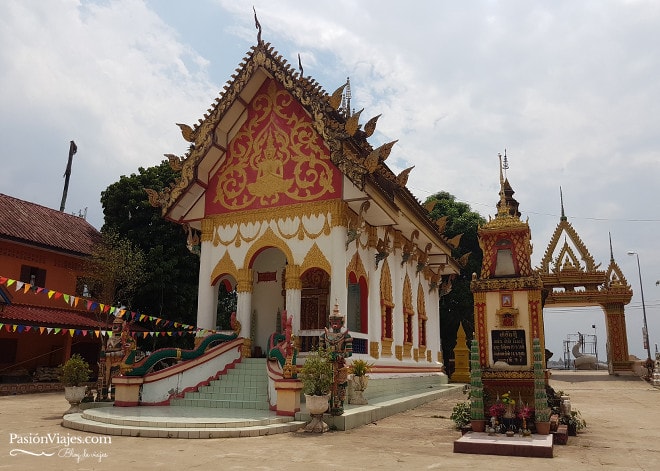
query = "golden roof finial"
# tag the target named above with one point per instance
(257, 25)
(561, 199)
(503, 207)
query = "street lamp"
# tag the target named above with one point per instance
(641, 290)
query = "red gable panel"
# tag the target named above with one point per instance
(276, 159)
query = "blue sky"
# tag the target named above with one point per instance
(569, 88)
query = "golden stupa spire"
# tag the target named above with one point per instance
(503, 207)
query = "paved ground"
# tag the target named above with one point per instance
(623, 433)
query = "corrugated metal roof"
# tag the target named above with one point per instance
(34, 224)
(49, 317)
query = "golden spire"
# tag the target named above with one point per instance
(503, 207)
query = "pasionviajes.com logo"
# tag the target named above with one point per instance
(57, 439)
(57, 444)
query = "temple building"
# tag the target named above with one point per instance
(288, 204)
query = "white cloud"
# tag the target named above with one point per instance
(569, 88)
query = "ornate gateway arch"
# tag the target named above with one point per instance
(571, 278)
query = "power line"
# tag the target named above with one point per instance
(527, 211)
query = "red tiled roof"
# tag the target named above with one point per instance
(49, 317)
(33, 224)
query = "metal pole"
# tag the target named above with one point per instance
(641, 290)
(67, 173)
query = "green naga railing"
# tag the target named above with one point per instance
(145, 365)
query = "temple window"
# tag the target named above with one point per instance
(504, 264)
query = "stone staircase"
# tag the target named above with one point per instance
(244, 387)
(235, 405)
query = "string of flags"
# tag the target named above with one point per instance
(94, 307)
(21, 328)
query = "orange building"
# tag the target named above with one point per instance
(43, 311)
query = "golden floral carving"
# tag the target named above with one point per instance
(280, 144)
(356, 266)
(315, 259)
(374, 349)
(225, 266)
(244, 280)
(292, 277)
(386, 347)
(333, 210)
(386, 284)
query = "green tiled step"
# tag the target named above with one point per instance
(222, 403)
(239, 396)
(243, 387)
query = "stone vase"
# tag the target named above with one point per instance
(75, 395)
(316, 406)
(359, 385)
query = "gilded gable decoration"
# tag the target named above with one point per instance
(566, 257)
(225, 266)
(346, 143)
(356, 266)
(276, 157)
(315, 259)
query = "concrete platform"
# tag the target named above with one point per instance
(212, 422)
(536, 446)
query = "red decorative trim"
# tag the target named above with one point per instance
(481, 333)
(127, 403)
(287, 413)
(195, 388)
(534, 316)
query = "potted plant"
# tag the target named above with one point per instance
(359, 370)
(460, 414)
(73, 374)
(316, 376)
(574, 421)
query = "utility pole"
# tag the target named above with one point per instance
(67, 173)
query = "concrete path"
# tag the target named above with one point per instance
(623, 433)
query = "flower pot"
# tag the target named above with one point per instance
(75, 395)
(359, 385)
(543, 428)
(478, 425)
(316, 406)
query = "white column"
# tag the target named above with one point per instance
(293, 297)
(375, 315)
(338, 261)
(433, 322)
(244, 301)
(206, 294)
(244, 312)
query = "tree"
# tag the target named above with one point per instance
(458, 305)
(168, 288)
(117, 267)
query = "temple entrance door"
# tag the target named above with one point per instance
(314, 306)
(268, 297)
